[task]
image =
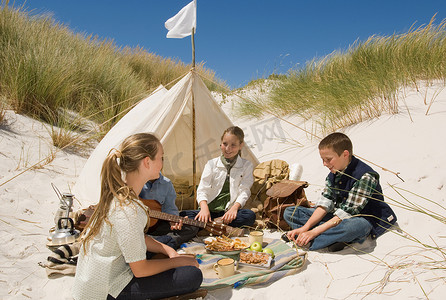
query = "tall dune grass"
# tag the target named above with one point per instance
(46, 66)
(420, 256)
(361, 83)
(2, 114)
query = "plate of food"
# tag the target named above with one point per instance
(225, 245)
(255, 259)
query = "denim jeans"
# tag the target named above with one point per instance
(162, 228)
(178, 281)
(245, 217)
(352, 230)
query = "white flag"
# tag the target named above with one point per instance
(182, 23)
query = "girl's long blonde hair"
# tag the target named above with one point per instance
(125, 159)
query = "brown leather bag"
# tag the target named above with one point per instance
(82, 216)
(281, 195)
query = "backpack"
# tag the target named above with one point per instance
(265, 175)
(281, 195)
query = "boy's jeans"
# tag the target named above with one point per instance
(352, 230)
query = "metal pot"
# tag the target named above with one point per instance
(65, 235)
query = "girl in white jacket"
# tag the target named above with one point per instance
(225, 184)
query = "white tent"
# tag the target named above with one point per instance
(168, 114)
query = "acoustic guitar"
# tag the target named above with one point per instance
(214, 228)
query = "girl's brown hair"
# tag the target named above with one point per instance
(238, 132)
(126, 159)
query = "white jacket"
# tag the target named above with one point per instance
(213, 178)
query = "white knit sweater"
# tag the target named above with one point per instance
(104, 268)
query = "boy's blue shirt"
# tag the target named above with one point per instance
(161, 190)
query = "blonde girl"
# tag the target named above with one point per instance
(112, 262)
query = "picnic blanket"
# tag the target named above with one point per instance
(286, 262)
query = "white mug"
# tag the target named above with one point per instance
(255, 236)
(225, 267)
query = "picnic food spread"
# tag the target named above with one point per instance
(249, 256)
(259, 259)
(253, 257)
(225, 244)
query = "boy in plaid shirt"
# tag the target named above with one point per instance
(351, 205)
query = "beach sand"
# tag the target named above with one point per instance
(410, 144)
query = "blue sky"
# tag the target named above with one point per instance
(242, 40)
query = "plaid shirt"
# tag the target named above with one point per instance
(356, 200)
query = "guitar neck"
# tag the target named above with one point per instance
(173, 218)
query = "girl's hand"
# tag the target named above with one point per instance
(172, 253)
(149, 267)
(204, 215)
(186, 260)
(230, 215)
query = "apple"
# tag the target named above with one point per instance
(256, 246)
(269, 251)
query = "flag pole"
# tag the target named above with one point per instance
(193, 47)
(194, 162)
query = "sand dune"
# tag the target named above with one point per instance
(410, 143)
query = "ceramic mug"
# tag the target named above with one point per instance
(256, 236)
(225, 267)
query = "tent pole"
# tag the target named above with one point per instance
(194, 163)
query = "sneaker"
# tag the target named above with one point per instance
(285, 238)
